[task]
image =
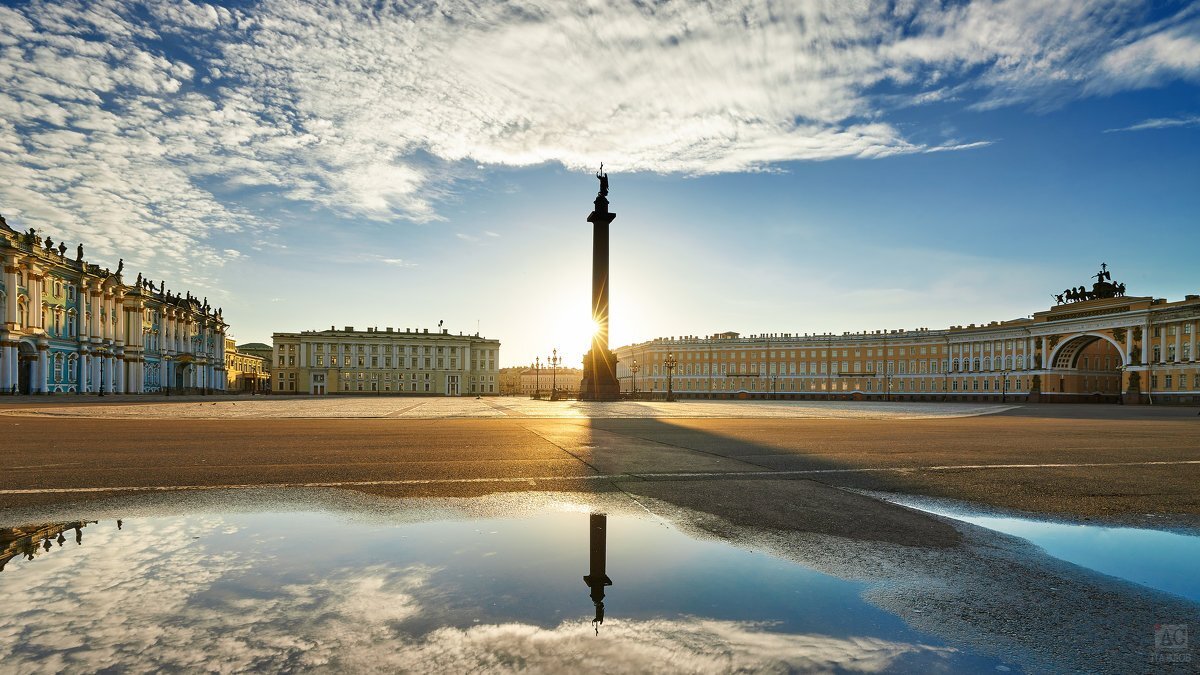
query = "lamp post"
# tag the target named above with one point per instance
(537, 380)
(554, 362)
(167, 373)
(634, 369)
(670, 364)
(1004, 387)
(103, 355)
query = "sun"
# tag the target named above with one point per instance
(572, 336)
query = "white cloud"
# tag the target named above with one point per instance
(1160, 123)
(398, 262)
(168, 595)
(374, 111)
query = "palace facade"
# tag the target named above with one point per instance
(1097, 345)
(387, 361)
(70, 326)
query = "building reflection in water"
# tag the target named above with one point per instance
(597, 579)
(28, 541)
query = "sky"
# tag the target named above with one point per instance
(774, 166)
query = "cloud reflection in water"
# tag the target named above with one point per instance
(233, 593)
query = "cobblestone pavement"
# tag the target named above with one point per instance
(438, 408)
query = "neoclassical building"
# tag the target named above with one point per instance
(1094, 345)
(70, 326)
(385, 361)
(245, 372)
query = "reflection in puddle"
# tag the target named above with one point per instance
(1162, 560)
(300, 591)
(34, 540)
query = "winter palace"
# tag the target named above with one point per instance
(73, 327)
(1094, 345)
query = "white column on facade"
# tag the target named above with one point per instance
(95, 376)
(43, 370)
(10, 286)
(119, 313)
(1178, 342)
(1162, 343)
(81, 372)
(35, 298)
(5, 385)
(1045, 353)
(1193, 354)
(1128, 346)
(94, 304)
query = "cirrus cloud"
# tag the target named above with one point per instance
(137, 126)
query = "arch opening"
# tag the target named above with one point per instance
(1088, 367)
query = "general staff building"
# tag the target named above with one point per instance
(1097, 345)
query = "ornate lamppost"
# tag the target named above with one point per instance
(1004, 387)
(634, 369)
(670, 364)
(103, 352)
(554, 362)
(537, 380)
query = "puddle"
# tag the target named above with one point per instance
(1161, 560)
(317, 590)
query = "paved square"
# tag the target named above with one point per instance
(334, 407)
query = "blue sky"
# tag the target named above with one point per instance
(776, 167)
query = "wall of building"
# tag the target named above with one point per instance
(72, 327)
(1086, 351)
(386, 361)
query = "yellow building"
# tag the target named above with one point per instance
(1095, 345)
(385, 361)
(565, 381)
(244, 372)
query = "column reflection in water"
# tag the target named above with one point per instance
(597, 579)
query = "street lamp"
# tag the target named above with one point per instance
(1004, 388)
(670, 364)
(554, 362)
(167, 373)
(103, 355)
(537, 381)
(634, 369)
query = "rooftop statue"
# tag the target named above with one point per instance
(603, 180)
(1103, 288)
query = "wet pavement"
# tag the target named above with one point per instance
(316, 580)
(1163, 560)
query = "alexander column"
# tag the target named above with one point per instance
(599, 364)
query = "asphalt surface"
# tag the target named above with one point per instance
(1109, 462)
